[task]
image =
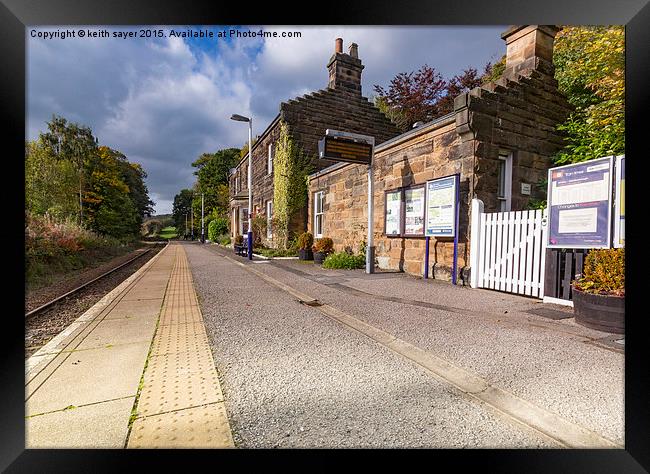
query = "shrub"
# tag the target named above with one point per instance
(55, 246)
(305, 241)
(217, 227)
(344, 260)
(603, 272)
(258, 223)
(275, 252)
(324, 245)
(293, 245)
(45, 235)
(224, 239)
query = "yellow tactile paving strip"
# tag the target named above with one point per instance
(181, 404)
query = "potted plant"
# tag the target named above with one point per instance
(599, 295)
(322, 248)
(305, 242)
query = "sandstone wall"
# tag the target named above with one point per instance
(434, 153)
(308, 117)
(518, 113)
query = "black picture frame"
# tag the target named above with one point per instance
(15, 15)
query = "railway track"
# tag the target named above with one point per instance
(79, 288)
(49, 319)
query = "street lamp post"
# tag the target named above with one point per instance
(240, 118)
(202, 228)
(192, 217)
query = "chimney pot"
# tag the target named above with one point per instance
(345, 69)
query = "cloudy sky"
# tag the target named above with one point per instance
(164, 101)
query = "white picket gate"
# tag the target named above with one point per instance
(507, 250)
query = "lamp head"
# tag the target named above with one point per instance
(239, 118)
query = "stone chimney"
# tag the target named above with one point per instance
(345, 69)
(529, 47)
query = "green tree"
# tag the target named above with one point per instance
(74, 143)
(217, 227)
(212, 179)
(590, 70)
(67, 173)
(394, 114)
(50, 184)
(494, 71)
(133, 176)
(110, 209)
(291, 167)
(181, 208)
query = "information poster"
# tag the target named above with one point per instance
(394, 213)
(441, 207)
(579, 201)
(619, 203)
(414, 211)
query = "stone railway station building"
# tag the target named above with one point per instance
(500, 139)
(341, 106)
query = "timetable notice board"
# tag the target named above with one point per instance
(580, 204)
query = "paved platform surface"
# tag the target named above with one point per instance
(393, 361)
(180, 404)
(83, 387)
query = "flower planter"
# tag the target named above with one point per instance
(319, 257)
(305, 254)
(601, 312)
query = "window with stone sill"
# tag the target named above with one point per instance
(318, 214)
(504, 181)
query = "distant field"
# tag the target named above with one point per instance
(168, 233)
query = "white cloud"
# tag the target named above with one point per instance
(164, 102)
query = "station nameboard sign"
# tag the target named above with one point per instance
(579, 203)
(348, 147)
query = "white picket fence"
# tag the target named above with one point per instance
(507, 250)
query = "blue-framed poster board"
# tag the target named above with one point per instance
(441, 207)
(619, 203)
(580, 204)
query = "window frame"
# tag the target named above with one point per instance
(506, 157)
(321, 213)
(243, 220)
(269, 160)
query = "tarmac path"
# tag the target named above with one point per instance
(448, 369)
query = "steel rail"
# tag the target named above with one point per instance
(71, 292)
